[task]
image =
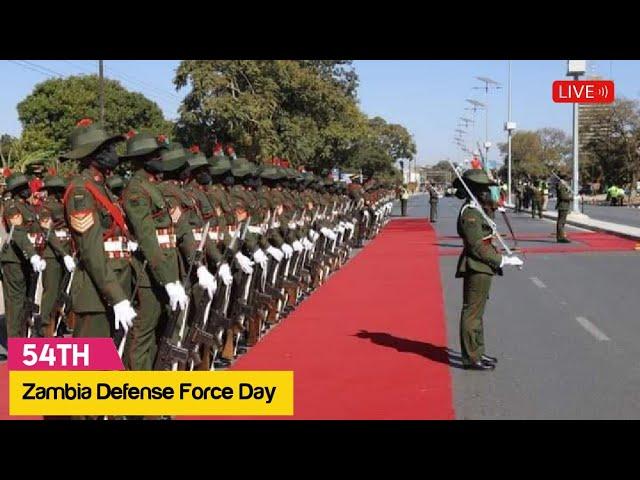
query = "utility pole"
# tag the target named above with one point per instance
(575, 68)
(101, 74)
(488, 83)
(509, 127)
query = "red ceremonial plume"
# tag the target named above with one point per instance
(85, 122)
(284, 163)
(52, 171)
(162, 138)
(36, 185)
(130, 134)
(194, 149)
(6, 172)
(217, 148)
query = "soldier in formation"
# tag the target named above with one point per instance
(186, 260)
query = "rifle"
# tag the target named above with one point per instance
(170, 354)
(205, 332)
(32, 316)
(475, 204)
(62, 302)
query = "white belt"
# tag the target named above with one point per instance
(114, 246)
(293, 225)
(166, 238)
(300, 223)
(276, 224)
(254, 229)
(216, 235)
(62, 234)
(321, 217)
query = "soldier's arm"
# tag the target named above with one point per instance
(137, 206)
(475, 239)
(13, 217)
(86, 230)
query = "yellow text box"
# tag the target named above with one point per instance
(150, 393)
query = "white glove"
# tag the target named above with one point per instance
(124, 315)
(177, 295)
(206, 280)
(224, 272)
(287, 250)
(313, 235)
(275, 253)
(245, 263)
(260, 258)
(349, 226)
(297, 246)
(37, 263)
(502, 209)
(512, 261)
(69, 263)
(327, 233)
(307, 244)
(132, 246)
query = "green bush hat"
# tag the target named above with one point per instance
(54, 181)
(219, 164)
(241, 167)
(16, 180)
(196, 159)
(172, 158)
(272, 172)
(144, 143)
(86, 138)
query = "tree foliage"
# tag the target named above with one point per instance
(614, 143)
(51, 111)
(295, 109)
(533, 153)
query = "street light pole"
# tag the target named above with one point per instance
(575, 68)
(101, 71)
(509, 139)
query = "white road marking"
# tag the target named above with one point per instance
(538, 283)
(592, 329)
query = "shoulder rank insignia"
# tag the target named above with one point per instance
(176, 213)
(81, 221)
(16, 219)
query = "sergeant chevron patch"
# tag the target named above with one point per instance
(81, 221)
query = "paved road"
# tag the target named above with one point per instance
(622, 215)
(565, 329)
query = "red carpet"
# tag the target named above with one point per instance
(581, 242)
(371, 342)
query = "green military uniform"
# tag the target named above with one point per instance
(156, 261)
(537, 199)
(519, 193)
(58, 246)
(102, 279)
(477, 264)
(433, 204)
(564, 197)
(17, 254)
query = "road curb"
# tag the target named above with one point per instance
(632, 233)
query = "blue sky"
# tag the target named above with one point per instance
(427, 97)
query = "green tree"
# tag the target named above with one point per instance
(527, 155)
(268, 107)
(51, 111)
(614, 143)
